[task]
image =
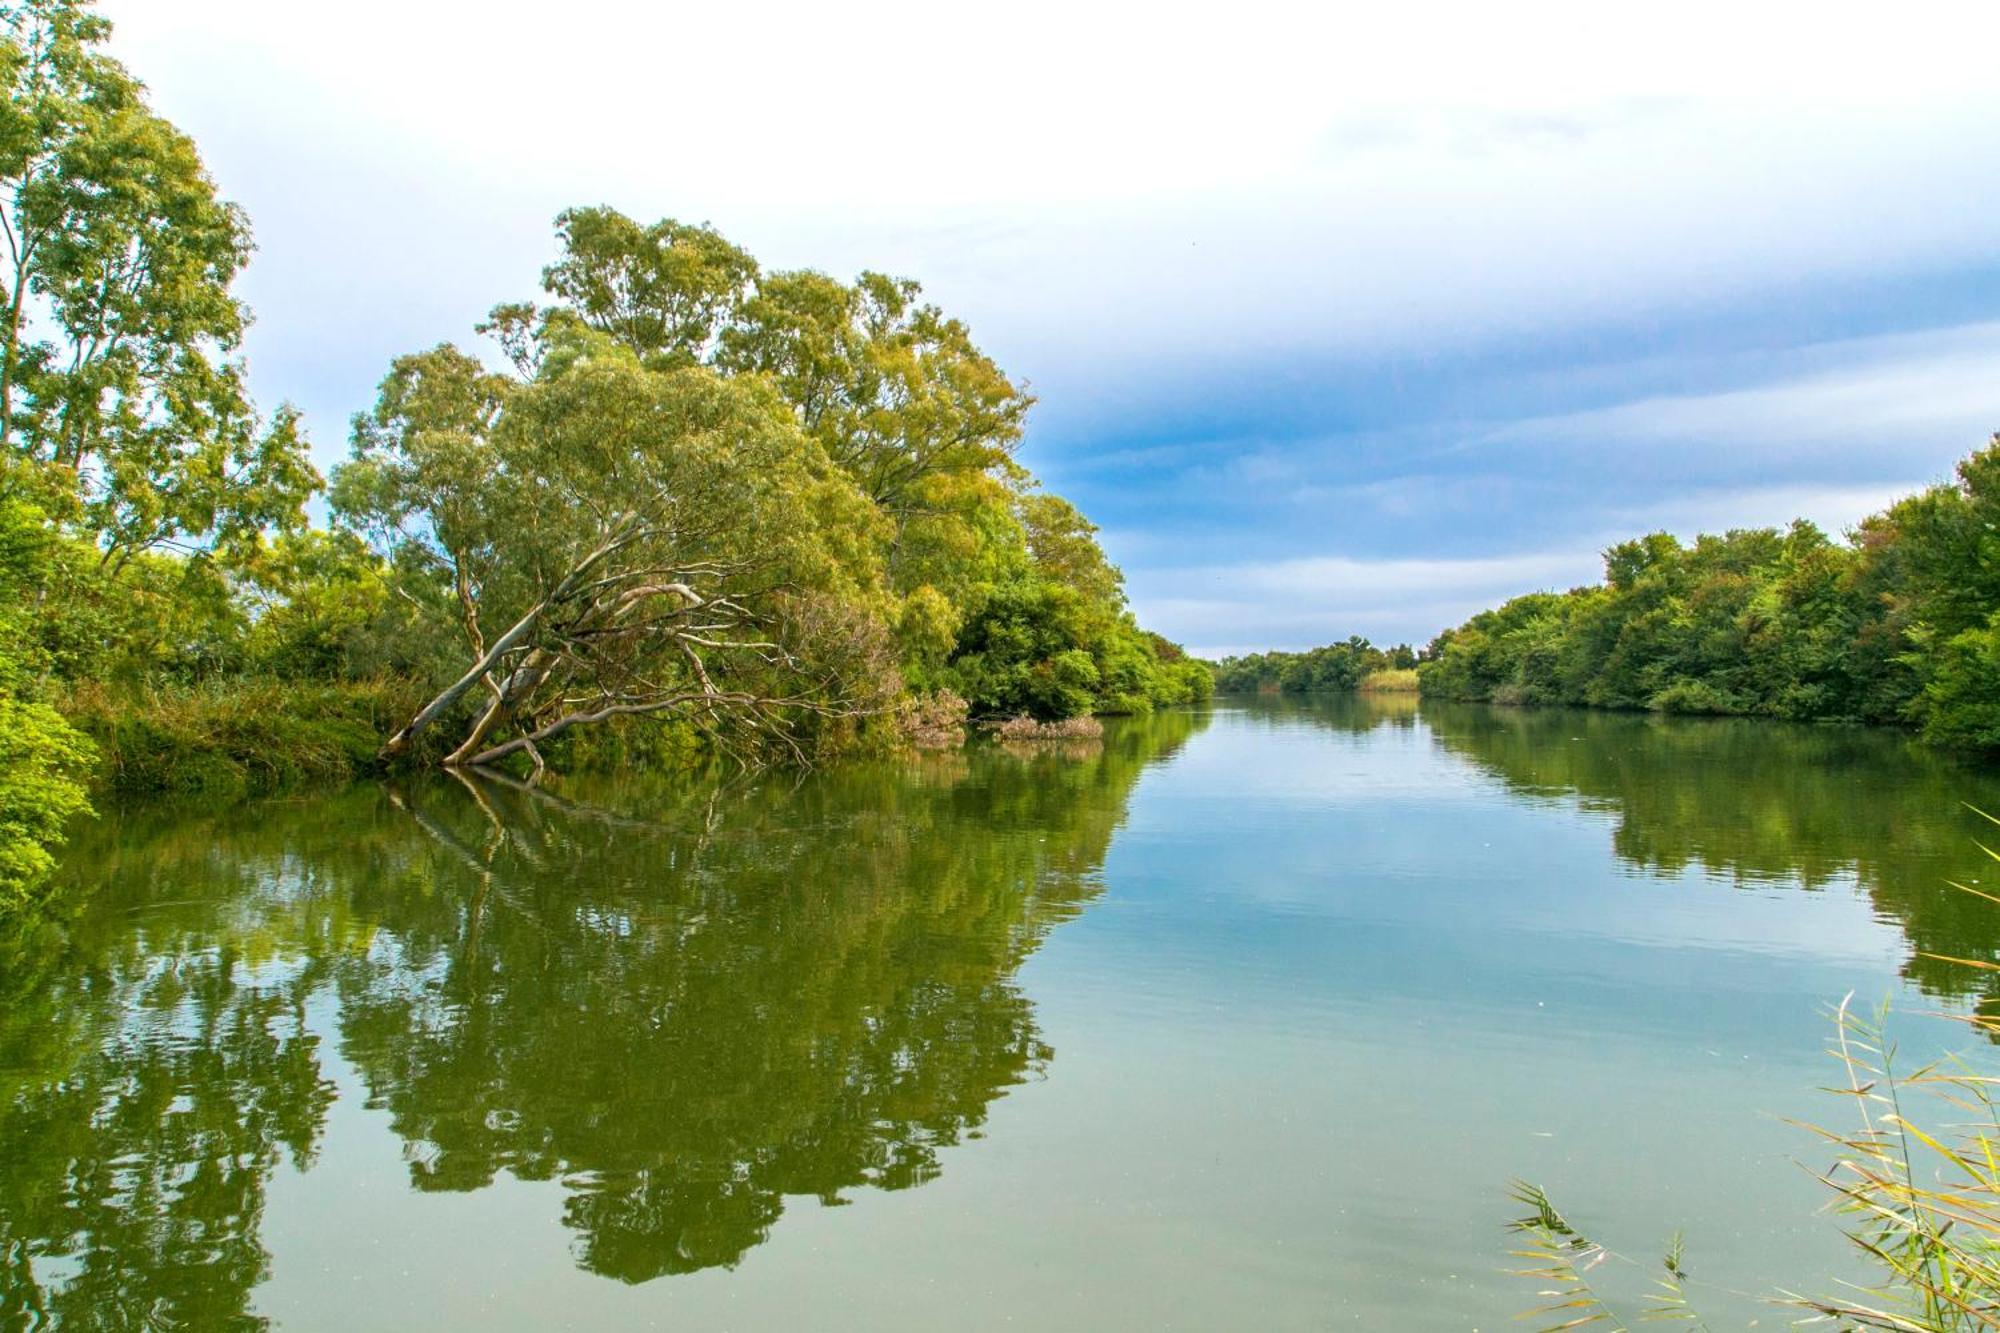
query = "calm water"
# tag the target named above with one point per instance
(1239, 1020)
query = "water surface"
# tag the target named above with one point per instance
(1239, 1019)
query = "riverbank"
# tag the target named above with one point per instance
(238, 737)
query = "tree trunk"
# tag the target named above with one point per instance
(400, 742)
(564, 723)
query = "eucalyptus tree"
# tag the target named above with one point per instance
(895, 391)
(1064, 546)
(118, 330)
(665, 290)
(617, 540)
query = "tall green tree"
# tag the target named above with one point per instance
(667, 291)
(118, 331)
(895, 391)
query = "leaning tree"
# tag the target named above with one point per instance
(611, 538)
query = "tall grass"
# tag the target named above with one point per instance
(1917, 1175)
(1389, 680)
(235, 737)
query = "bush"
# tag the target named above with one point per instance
(1068, 729)
(1694, 697)
(932, 721)
(43, 763)
(236, 737)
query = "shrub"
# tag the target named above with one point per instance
(43, 763)
(236, 737)
(933, 721)
(1694, 697)
(1066, 729)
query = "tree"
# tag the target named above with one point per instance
(117, 326)
(894, 391)
(1064, 546)
(619, 541)
(667, 290)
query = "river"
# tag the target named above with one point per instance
(1238, 1019)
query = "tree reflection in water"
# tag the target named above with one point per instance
(1765, 803)
(683, 1001)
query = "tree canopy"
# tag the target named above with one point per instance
(118, 330)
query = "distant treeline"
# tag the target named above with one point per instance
(1899, 623)
(1337, 666)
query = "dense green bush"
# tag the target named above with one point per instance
(1960, 703)
(42, 764)
(43, 760)
(1043, 649)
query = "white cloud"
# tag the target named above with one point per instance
(1891, 395)
(1114, 197)
(1301, 602)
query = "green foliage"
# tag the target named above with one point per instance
(1041, 648)
(1960, 703)
(319, 605)
(666, 290)
(821, 474)
(43, 760)
(614, 540)
(238, 736)
(116, 320)
(894, 390)
(42, 764)
(1894, 626)
(1022, 653)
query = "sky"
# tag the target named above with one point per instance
(1342, 319)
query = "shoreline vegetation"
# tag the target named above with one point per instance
(681, 506)
(1336, 667)
(1897, 624)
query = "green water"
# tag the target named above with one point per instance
(1238, 1020)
